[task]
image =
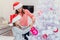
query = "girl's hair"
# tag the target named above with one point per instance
(22, 12)
(14, 24)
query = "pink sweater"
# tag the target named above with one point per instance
(24, 19)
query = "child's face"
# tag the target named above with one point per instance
(17, 23)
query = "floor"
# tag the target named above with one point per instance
(6, 38)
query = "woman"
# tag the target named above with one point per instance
(24, 13)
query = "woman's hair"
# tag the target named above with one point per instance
(17, 12)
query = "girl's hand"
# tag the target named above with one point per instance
(31, 25)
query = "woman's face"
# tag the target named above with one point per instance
(20, 9)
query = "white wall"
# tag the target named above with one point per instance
(6, 8)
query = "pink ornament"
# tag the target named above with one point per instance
(45, 36)
(34, 31)
(40, 12)
(51, 8)
(56, 30)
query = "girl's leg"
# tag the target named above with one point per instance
(25, 37)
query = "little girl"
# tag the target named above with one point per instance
(19, 32)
